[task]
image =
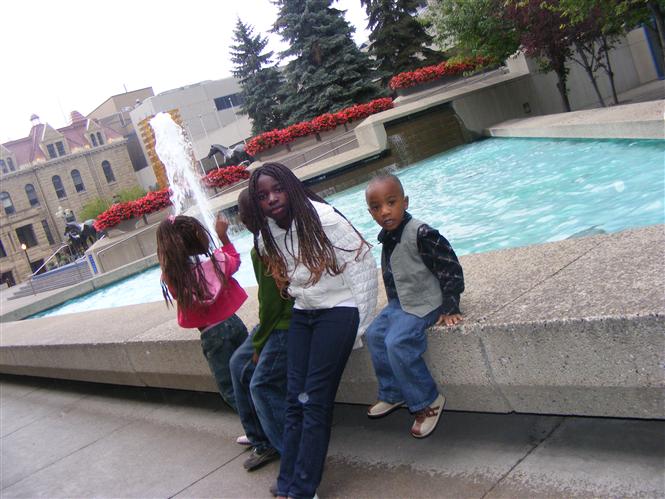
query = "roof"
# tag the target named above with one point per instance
(27, 149)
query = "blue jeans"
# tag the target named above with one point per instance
(260, 390)
(319, 344)
(218, 344)
(397, 341)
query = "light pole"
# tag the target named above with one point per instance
(207, 142)
(236, 117)
(24, 247)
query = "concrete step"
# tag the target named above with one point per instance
(54, 279)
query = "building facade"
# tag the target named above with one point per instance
(47, 173)
(209, 110)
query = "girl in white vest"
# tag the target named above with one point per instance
(317, 257)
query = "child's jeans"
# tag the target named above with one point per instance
(319, 344)
(260, 390)
(218, 344)
(397, 341)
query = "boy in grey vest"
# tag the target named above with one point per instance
(423, 280)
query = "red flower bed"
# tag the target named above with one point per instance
(150, 203)
(321, 123)
(225, 176)
(430, 73)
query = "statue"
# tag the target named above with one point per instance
(232, 155)
(81, 235)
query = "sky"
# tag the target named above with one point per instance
(73, 55)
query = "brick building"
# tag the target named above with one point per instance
(46, 172)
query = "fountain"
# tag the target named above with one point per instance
(175, 152)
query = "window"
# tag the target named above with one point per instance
(61, 148)
(32, 195)
(10, 163)
(47, 231)
(7, 203)
(108, 172)
(93, 139)
(78, 181)
(100, 139)
(59, 188)
(3, 165)
(26, 235)
(3, 253)
(51, 151)
(228, 101)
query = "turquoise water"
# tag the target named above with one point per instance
(489, 195)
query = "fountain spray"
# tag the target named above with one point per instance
(175, 151)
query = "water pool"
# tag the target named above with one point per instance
(489, 195)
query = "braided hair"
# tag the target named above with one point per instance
(315, 251)
(181, 241)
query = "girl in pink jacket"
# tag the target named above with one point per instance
(200, 279)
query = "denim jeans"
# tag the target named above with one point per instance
(260, 390)
(397, 341)
(319, 344)
(218, 344)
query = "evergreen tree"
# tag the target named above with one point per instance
(398, 40)
(328, 71)
(261, 83)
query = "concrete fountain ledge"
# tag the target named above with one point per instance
(574, 327)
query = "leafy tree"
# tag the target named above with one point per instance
(544, 34)
(261, 83)
(93, 208)
(130, 194)
(328, 72)
(398, 41)
(477, 27)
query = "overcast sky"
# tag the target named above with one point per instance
(73, 55)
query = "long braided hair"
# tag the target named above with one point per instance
(181, 242)
(315, 251)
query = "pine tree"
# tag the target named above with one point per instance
(261, 83)
(398, 41)
(328, 71)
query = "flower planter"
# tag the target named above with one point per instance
(157, 216)
(273, 153)
(335, 132)
(403, 92)
(303, 143)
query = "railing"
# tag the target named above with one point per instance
(325, 153)
(51, 257)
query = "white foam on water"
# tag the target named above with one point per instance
(175, 151)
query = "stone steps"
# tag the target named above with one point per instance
(54, 279)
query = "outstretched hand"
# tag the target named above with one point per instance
(222, 227)
(448, 320)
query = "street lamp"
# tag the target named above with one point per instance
(24, 247)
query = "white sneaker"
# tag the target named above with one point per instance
(382, 408)
(243, 440)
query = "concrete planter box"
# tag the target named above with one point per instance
(273, 153)
(303, 143)
(157, 216)
(427, 86)
(331, 134)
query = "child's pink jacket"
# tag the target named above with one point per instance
(226, 300)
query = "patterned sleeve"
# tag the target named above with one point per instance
(439, 257)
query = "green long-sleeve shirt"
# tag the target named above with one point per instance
(274, 311)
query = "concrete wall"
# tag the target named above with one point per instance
(574, 327)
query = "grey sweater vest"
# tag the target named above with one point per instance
(418, 290)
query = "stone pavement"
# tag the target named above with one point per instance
(74, 439)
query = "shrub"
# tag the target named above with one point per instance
(130, 194)
(225, 176)
(93, 209)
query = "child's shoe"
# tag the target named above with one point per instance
(428, 418)
(260, 457)
(243, 440)
(382, 408)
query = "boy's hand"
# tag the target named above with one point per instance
(221, 227)
(255, 358)
(449, 320)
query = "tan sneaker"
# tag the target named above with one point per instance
(427, 419)
(382, 408)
